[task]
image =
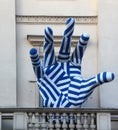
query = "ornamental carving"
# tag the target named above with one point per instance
(55, 19)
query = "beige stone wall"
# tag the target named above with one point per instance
(7, 54)
(57, 7)
(108, 50)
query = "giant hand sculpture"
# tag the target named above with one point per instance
(60, 81)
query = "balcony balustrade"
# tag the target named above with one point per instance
(57, 118)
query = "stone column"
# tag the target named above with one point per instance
(103, 121)
(0, 120)
(20, 121)
(108, 50)
(7, 54)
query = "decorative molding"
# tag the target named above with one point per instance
(37, 40)
(21, 19)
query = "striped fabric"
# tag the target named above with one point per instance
(60, 81)
(36, 63)
(49, 55)
(64, 52)
(80, 49)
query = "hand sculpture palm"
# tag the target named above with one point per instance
(60, 81)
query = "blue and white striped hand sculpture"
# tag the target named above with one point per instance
(60, 81)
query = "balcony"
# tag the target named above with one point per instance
(58, 119)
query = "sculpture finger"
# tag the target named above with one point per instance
(49, 54)
(88, 86)
(77, 95)
(36, 62)
(77, 54)
(105, 77)
(64, 51)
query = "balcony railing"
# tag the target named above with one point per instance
(57, 118)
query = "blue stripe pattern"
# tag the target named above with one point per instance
(36, 63)
(60, 81)
(105, 77)
(79, 90)
(49, 54)
(80, 49)
(64, 52)
(56, 74)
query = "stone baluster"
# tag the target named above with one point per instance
(92, 121)
(64, 125)
(78, 125)
(57, 125)
(51, 125)
(85, 123)
(30, 123)
(43, 122)
(37, 125)
(72, 121)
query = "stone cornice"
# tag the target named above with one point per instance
(22, 19)
(37, 40)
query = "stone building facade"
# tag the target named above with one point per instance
(22, 27)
